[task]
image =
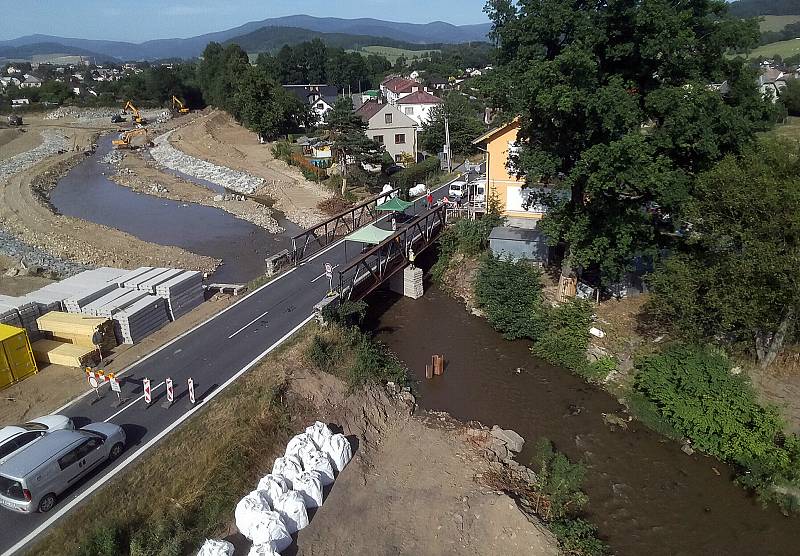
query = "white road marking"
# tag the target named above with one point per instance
(323, 274)
(131, 404)
(138, 453)
(265, 313)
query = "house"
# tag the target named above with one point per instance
(418, 105)
(18, 102)
(11, 70)
(321, 98)
(31, 82)
(390, 127)
(771, 81)
(8, 81)
(517, 202)
(438, 83)
(395, 88)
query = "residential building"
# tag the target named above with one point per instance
(772, 81)
(17, 102)
(321, 98)
(11, 70)
(418, 105)
(31, 82)
(390, 127)
(517, 202)
(8, 81)
(395, 88)
(438, 83)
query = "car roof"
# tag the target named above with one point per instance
(37, 453)
(10, 432)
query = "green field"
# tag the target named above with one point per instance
(784, 49)
(392, 54)
(777, 22)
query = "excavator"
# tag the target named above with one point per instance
(178, 105)
(133, 139)
(137, 116)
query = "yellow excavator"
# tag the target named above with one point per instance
(133, 139)
(178, 105)
(136, 115)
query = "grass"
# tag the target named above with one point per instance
(186, 488)
(784, 49)
(392, 54)
(776, 22)
(789, 130)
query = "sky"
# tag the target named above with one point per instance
(141, 20)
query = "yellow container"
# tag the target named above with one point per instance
(16, 355)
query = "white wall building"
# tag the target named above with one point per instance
(418, 105)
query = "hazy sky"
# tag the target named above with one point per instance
(141, 20)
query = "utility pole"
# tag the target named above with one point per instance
(447, 144)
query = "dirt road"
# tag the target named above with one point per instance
(217, 138)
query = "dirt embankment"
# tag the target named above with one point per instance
(217, 138)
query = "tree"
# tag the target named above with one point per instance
(265, 107)
(350, 144)
(736, 280)
(790, 96)
(615, 108)
(463, 122)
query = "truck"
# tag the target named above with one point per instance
(14, 120)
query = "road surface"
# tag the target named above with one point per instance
(213, 354)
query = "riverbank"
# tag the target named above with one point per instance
(411, 487)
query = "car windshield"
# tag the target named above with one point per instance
(11, 488)
(35, 427)
(94, 433)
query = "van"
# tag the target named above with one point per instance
(33, 479)
(458, 189)
(479, 188)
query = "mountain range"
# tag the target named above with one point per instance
(411, 33)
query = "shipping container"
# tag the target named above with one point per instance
(16, 356)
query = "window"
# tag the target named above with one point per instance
(398, 158)
(387, 118)
(378, 139)
(320, 106)
(18, 442)
(400, 139)
(68, 459)
(11, 488)
(409, 110)
(88, 447)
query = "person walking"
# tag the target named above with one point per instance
(429, 198)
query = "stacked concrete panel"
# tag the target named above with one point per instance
(183, 293)
(140, 319)
(113, 307)
(138, 282)
(27, 310)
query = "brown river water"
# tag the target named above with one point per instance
(645, 495)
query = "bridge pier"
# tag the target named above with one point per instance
(408, 283)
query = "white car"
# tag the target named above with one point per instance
(458, 189)
(15, 438)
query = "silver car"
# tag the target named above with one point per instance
(32, 479)
(14, 438)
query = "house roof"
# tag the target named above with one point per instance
(369, 109)
(401, 85)
(492, 132)
(420, 97)
(328, 93)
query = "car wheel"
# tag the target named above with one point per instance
(116, 450)
(46, 503)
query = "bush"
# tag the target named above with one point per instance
(566, 337)
(282, 150)
(416, 173)
(467, 237)
(104, 540)
(511, 294)
(163, 535)
(693, 390)
(578, 537)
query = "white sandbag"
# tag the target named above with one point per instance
(249, 512)
(338, 451)
(273, 486)
(262, 550)
(300, 444)
(289, 468)
(417, 190)
(292, 509)
(319, 433)
(213, 547)
(269, 530)
(319, 462)
(309, 485)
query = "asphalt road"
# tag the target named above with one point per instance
(214, 354)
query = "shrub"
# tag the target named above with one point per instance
(162, 535)
(578, 537)
(511, 294)
(416, 173)
(566, 337)
(282, 150)
(104, 540)
(467, 237)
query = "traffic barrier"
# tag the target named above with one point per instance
(148, 395)
(191, 391)
(170, 393)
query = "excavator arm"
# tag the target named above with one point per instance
(178, 105)
(132, 139)
(137, 116)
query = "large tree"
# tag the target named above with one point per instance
(265, 107)
(736, 277)
(350, 144)
(615, 107)
(463, 122)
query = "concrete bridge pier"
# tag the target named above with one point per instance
(408, 282)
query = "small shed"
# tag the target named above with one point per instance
(519, 243)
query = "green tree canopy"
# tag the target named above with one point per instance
(463, 121)
(616, 107)
(265, 107)
(351, 146)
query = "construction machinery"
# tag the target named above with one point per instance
(133, 139)
(178, 106)
(15, 120)
(137, 116)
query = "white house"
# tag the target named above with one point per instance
(418, 105)
(391, 128)
(395, 88)
(16, 102)
(31, 82)
(12, 70)
(321, 98)
(8, 81)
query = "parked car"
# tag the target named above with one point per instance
(14, 438)
(33, 479)
(458, 189)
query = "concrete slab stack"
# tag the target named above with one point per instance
(140, 279)
(140, 319)
(28, 313)
(113, 307)
(10, 317)
(183, 293)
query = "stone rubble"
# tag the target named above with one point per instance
(52, 143)
(92, 115)
(32, 257)
(167, 155)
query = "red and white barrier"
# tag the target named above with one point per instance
(148, 395)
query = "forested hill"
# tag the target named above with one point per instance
(752, 8)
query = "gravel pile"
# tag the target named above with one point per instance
(112, 157)
(89, 115)
(34, 257)
(52, 142)
(167, 155)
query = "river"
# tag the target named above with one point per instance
(86, 193)
(645, 495)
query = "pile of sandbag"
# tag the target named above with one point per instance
(277, 509)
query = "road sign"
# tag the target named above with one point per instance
(328, 270)
(191, 390)
(115, 387)
(90, 377)
(93, 382)
(147, 393)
